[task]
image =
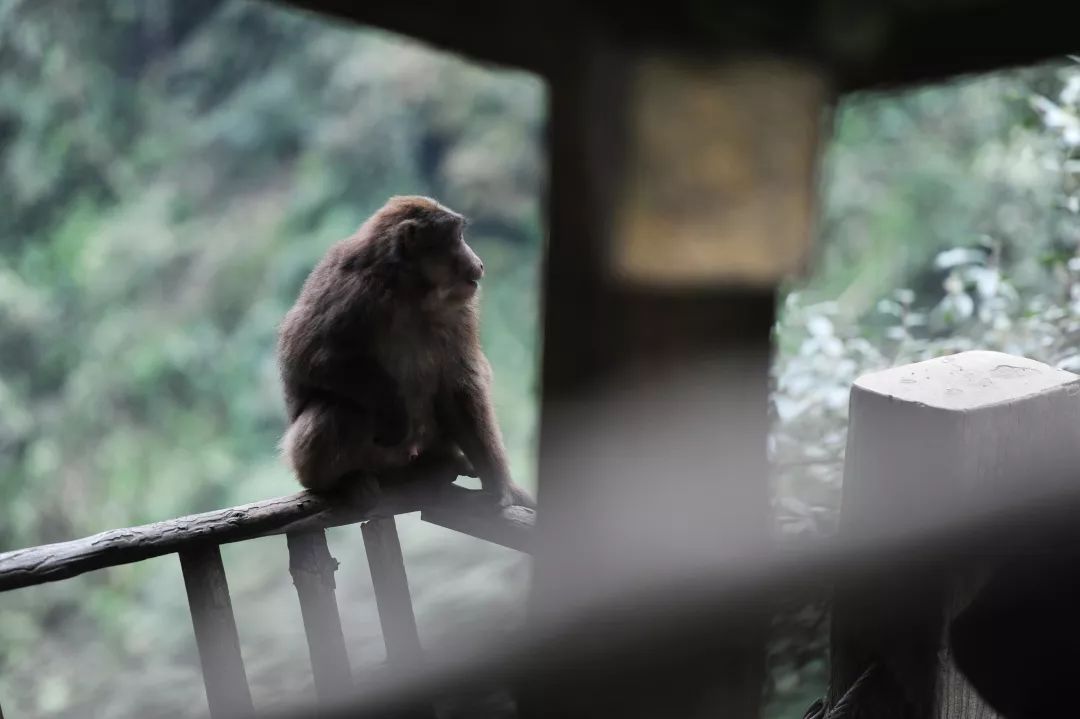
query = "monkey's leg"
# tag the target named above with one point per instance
(326, 442)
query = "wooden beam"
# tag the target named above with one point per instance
(505, 33)
(312, 569)
(511, 527)
(860, 44)
(456, 506)
(938, 41)
(223, 672)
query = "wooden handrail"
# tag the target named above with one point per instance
(304, 517)
(449, 506)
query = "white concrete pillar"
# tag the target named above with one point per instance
(934, 441)
(931, 444)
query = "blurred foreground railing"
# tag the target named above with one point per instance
(303, 517)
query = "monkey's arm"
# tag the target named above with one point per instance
(467, 414)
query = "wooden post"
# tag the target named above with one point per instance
(928, 444)
(312, 569)
(218, 642)
(403, 650)
(681, 193)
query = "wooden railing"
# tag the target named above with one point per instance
(303, 518)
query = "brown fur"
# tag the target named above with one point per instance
(380, 356)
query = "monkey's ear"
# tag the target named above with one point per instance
(407, 237)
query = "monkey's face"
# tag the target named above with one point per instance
(448, 270)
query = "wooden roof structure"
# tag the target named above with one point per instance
(860, 44)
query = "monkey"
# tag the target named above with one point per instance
(380, 357)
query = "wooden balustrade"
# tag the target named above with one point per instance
(303, 518)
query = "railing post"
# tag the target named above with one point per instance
(403, 649)
(928, 444)
(218, 642)
(312, 570)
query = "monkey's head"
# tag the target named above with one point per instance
(429, 243)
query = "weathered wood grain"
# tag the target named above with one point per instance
(403, 648)
(227, 691)
(51, 562)
(512, 527)
(455, 507)
(312, 569)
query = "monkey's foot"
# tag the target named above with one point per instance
(362, 490)
(509, 495)
(521, 498)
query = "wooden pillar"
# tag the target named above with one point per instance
(930, 444)
(312, 569)
(680, 194)
(227, 690)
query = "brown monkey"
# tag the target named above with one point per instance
(380, 356)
